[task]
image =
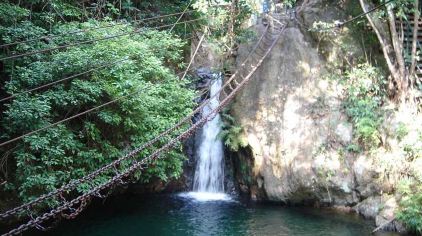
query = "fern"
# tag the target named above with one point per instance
(232, 133)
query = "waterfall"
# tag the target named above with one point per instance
(208, 182)
(209, 173)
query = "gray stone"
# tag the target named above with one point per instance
(369, 208)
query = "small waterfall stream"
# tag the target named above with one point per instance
(209, 174)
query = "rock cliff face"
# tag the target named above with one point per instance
(296, 129)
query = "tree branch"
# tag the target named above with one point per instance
(382, 32)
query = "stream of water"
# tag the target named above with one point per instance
(209, 174)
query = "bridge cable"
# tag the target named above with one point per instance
(49, 37)
(74, 183)
(140, 165)
(93, 40)
(96, 68)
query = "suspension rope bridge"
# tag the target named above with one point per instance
(231, 87)
(266, 42)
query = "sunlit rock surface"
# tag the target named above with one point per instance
(296, 130)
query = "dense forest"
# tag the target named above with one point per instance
(86, 82)
(138, 71)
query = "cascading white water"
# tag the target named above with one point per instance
(209, 174)
(208, 182)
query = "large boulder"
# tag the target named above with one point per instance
(293, 123)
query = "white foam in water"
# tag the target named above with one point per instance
(206, 196)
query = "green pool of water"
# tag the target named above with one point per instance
(176, 215)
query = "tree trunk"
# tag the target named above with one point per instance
(402, 80)
(382, 32)
(397, 44)
(414, 38)
(392, 48)
(233, 13)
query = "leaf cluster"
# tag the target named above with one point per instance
(411, 205)
(158, 99)
(364, 96)
(231, 133)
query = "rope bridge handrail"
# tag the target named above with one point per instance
(135, 31)
(140, 165)
(73, 184)
(110, 25)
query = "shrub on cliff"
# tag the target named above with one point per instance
(365, 93)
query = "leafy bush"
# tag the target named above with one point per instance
(231, 133)
(411, 206)
(364, 95)
(156, 99)
(410, 187)
(401, 131)
(367, 132)
(10, 14)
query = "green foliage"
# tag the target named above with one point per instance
(410, 187)
(158, 99)
(226, 30)
(289, 3)
(403, 7)
(353, 148)
(401, 131)
(66, 9)
(365, 94)
(367, 132)
(232, 133)
(411, 213)
(411, 205)
(10, 14)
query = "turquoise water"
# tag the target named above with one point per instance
(175, 215)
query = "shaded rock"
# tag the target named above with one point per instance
(386, 217)
(369, 207)
(366, 175)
